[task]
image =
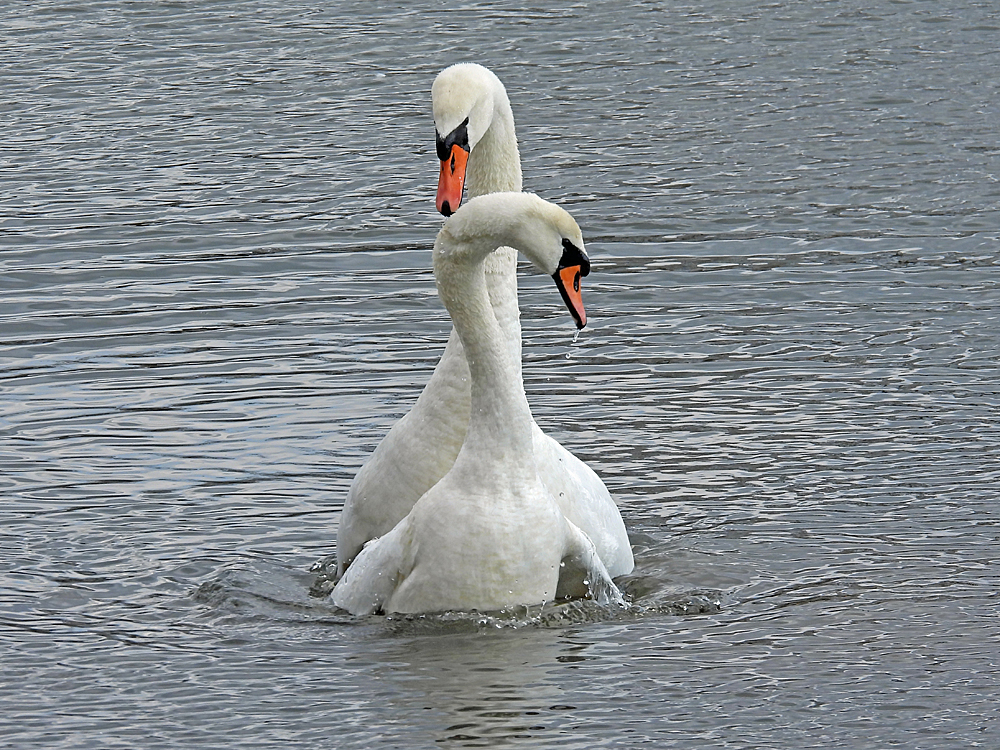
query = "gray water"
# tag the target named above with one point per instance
(215, 221)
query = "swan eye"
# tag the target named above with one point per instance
(457, 137)
(574, 256)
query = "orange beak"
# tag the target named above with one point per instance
(452, 180)
(568, 281)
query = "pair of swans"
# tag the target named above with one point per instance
(466, 503)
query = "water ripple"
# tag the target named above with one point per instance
(215, 222)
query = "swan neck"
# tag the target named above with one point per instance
(500, 419)
(495, 166)
(495, 162)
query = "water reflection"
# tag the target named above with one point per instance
(484, 689)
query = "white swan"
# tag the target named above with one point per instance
(489, 535)
(479, 150)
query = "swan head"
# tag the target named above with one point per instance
(464, 98)
(543, 232)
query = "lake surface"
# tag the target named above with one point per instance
(215, 298)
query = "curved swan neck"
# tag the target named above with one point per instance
(494, 167)
(500, 416)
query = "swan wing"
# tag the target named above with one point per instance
(418, 450)
(583, 574)
(585, 501)
(373, 577)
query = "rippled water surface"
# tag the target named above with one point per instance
(215, 221)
